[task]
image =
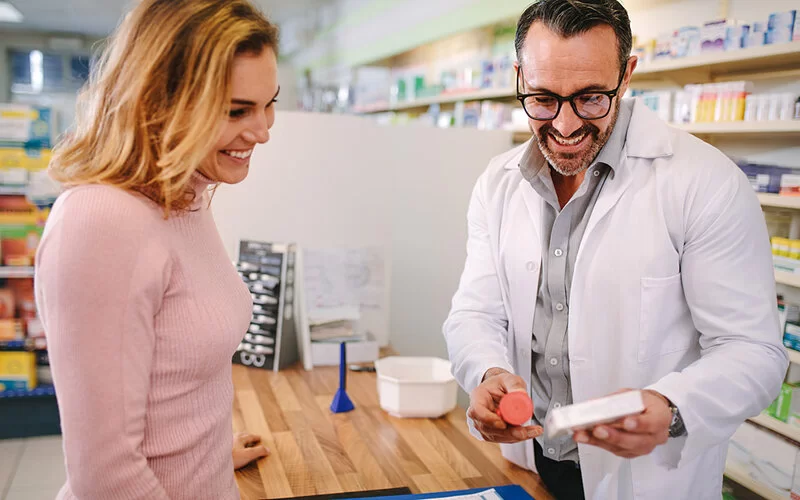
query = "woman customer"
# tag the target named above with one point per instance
(142, 307)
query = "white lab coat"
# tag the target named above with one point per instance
(673, 290)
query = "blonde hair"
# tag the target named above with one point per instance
(155, 101)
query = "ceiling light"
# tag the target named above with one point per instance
(9, 13)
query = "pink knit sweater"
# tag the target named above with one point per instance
(142, 317)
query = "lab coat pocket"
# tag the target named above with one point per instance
(665, 324)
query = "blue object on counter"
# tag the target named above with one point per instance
(341, 401)
(510, 492)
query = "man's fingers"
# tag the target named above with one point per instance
(619, 442)
(621, 439)
(651, 421)
(510, 435)
(480, 414)
(511, 383)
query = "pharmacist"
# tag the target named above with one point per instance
(610, 252)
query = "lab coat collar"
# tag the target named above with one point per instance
(648, 135)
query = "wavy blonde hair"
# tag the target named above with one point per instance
(156, 99)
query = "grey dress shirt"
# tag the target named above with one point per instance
(562, 232)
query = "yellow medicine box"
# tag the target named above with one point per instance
(17, 371)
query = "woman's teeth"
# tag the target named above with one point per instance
(239, 154)
(568, 142)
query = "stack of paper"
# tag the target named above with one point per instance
(331, 331)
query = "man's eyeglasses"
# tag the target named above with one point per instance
(545, 106)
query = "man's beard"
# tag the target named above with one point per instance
(569, 164)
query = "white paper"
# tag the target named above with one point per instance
(481, 495)
(343, 280)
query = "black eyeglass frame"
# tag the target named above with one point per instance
(570, 98)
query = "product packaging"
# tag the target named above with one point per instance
(735, 35)
(11, 329)
(712, 36)
(7, 306)
(17, 370)
(780, 27)
(568, 419)
(28, 127)
(686, 42)
(757, 35)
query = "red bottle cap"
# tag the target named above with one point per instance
(515, 408)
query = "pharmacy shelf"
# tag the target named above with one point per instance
(702, 67)
(12, 190)
(790, 279)
(43, 391)
(778, 201)
(777, 127)
(794, 357)
(16, 272)
(695, 69)
(739, 474)
(37, 344)
(738, 129)
(772, 423)
(446, 98)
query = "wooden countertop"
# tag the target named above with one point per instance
(316, 452)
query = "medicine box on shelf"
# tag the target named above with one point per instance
(17, 371)
(26, 126)
(772, 179)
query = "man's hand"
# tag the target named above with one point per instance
(633, 436)
(483, 404)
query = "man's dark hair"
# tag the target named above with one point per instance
(569, 18)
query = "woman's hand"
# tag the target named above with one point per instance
(246, 449)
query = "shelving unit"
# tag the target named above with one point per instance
(778, 201)
(794, 356)
(776, 425)
(42, 391)
(446, 98)
(703, 67)
(786, 128)
(738, 474)
(12, 190)
(707, 67)
(773, 128)
(789, 279)
(16, 272)
(28, 344)
(26, 413)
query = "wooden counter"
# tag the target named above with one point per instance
(317, 452)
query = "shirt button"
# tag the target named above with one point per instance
(531, 266)
(553, 361)
(559, 307)
(556, 405)
(597, 173)
(551, 451)
(558, 252)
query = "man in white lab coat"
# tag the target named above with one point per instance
(612, 252)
